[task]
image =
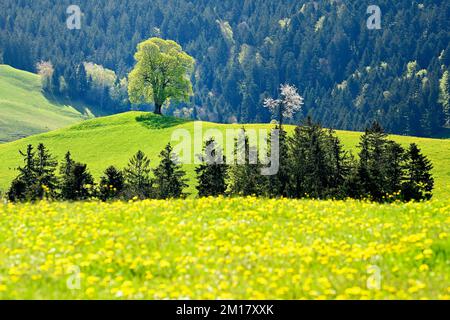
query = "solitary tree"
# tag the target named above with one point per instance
(287, 106)
(162, 73)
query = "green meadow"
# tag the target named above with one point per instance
(113, 140)
(24, 110)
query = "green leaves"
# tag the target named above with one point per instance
(162, 73)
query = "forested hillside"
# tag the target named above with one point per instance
(348, 74)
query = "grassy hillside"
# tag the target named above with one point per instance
(25, 111)
(112, 140)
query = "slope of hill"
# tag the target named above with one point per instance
(113, 140)
(25, 111)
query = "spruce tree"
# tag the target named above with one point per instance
(112, 184)
(76, 181)
(170, 179)
(309, 158)
(82, 182)
(395, 156)
(46, 181)
(245, 177)
(278, 185)
(212, 173)
(137, 177)
(341, 164)
(36, 178)
(297, 160)
(372, 164)
(21, 186)
(418, 182)
(28, 172)
(65, 176)
(17, 190)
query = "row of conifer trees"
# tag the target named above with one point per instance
(312, 164)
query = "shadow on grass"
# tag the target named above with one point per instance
(87, 110)
(153, 121)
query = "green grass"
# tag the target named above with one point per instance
(25, 111)
(113, 140)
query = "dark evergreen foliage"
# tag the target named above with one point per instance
(36, 179)
(212, 174)
(76, 181)
(170, 179)
(312, 164)
(380, 164)
(245, 177)
(418, 181)
(112, 184)
(137, 177)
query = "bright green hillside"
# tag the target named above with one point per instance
(112, 140)
(24, 110)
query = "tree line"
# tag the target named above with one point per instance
(312, 164)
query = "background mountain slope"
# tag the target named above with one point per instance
(112, 140)
(25, 111)
(245, 49)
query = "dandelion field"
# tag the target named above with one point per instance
(225, 249)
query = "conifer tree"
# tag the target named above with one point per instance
(245, 177)
(65, 176)
(46, 182)
(76, 181)
(36, 178)
(17, 190)
(112, 184)
(170, 179)
(418, 183)
(137, 177)
(372, 163)
(309, 154)
(212, 173)
(278, 185)
(341, 164)
(28, 171)
(82, 182)
(395, 156)
(20, 187)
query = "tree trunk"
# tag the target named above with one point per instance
(158, 108)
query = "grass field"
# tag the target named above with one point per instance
(225, 249)
(113, 140)
(25, 111)
(216, 248)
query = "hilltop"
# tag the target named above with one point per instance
(114, 139)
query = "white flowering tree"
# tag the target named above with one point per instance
(287, 106)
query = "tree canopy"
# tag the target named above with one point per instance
(162, 73)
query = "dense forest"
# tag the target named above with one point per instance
(349, 75)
